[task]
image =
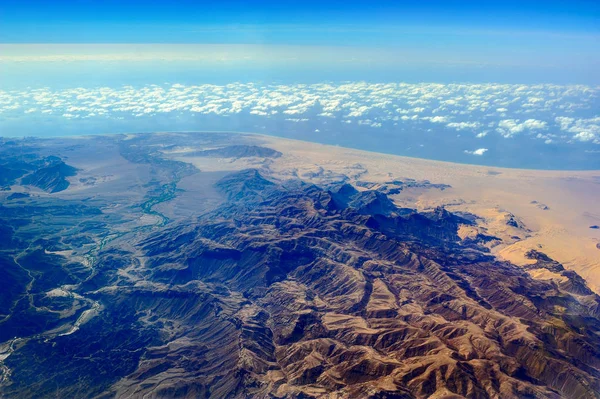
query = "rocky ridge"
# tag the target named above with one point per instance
(298, 291)
(288, 290)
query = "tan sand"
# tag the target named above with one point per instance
(562, 231)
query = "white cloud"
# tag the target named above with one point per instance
(510, 127)
(585, 129)
(585, 136)
(464, 125)
(436, 119)
(523, 109)
(479, 151)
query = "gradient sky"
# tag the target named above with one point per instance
(551, 41)
(54, 51)
(183, 21)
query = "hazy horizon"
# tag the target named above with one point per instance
(506, 84)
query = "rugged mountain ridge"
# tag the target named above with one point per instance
(291, 290)
(29, 168)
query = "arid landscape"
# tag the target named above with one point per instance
(225, 265)
(554, 210)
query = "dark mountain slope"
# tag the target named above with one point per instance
(51, 177)
(297, 291)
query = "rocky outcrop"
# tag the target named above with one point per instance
(290, 290)
(22, 163)
(238, 151)
(572, 282)
(52, 177)
(244, 185)
(333, 299)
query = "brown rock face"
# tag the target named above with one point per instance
(298, 291)
(318, 300)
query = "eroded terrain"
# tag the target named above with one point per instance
(222, 265)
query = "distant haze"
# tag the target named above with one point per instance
(512, 83)
(543, 126)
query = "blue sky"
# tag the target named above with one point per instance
(281, 22)
(507, 41)
(87, 66)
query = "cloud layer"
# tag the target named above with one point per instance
(550, 113)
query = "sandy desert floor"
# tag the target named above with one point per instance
(553, 210)
(549, 211)
(201, 271)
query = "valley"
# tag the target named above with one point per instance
(212, 265)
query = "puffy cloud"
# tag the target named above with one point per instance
(511, 127)
(585, 136)
(409, 118)
(259, 112)
(436, 119)
(508, 109)
(564, 122)
(534, 124)
(479, 151)
(585, 129)
(464, 125)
